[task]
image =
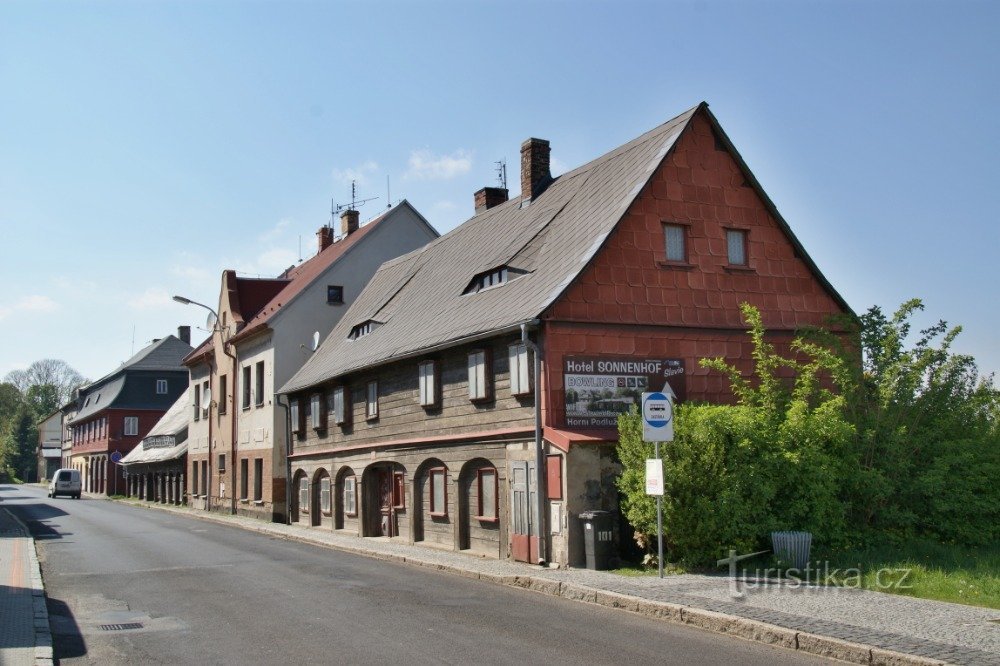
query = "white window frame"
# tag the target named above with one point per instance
(437, 479)
(134, 429)
(304, 494)
(667, 247)
(744, 250)
(161, 387)
(371, 400)
(520, 369)
(351, 496)
(294, 407)
(427, 378)
(324, 495)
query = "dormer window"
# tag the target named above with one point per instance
(363, 329)
(493, 278)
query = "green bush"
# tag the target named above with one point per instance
(868, 442)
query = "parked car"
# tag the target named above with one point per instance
(65, 482)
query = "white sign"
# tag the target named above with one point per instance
(654, 476)
(657, 417)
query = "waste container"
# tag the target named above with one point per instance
(792, 547)
(597, 538)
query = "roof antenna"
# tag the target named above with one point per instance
(502, 173)
(355, 202)
(388, 197)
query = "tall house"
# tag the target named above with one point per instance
(114, 413)
(49, 445)
(468, 399)
(266, 330)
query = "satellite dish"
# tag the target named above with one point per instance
(315, 342)
(210, 321)
(206, 396)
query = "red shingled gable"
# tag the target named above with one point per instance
(301, 276)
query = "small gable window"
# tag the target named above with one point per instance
(493, 278)
(736, 246)
(334, 294)
(675, 242)
(363, 329)
(161, 387)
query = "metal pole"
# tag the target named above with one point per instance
(659, 517)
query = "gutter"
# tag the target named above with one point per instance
(475, 337)
(288, 460)
(540, 477)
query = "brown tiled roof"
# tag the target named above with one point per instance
(301, 276)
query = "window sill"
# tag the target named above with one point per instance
(739, 269)
(522, 394)
(484, 519)
(438, 515)
(259, 404)
(243, 500)
(676, 265)
(258, 502)
(246, 408)
(351, 515)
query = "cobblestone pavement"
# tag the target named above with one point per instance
(24, 622)
(938, 631)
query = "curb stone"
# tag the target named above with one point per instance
(43, 634)
(720, 623)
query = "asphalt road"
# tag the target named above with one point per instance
(210, 594)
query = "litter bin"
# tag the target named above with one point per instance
(597, 538)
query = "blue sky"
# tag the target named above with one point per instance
(146, 146)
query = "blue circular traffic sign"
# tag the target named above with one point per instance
(656, 410)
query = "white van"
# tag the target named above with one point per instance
(65, 482)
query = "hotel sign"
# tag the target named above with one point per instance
(599, 388)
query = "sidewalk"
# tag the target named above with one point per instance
(24, 620)
(858, 626)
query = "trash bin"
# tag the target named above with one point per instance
(792, 547)
(597, 538)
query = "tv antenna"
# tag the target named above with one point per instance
(355, 202)
(502, 173)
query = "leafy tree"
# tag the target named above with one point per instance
(47, 371)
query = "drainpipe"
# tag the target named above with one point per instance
(288, 460)
(232, 440)
(540, 477)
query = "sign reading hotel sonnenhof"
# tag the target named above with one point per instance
(599, 388)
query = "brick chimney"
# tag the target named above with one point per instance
(488, 197)
(348, 222)
(184, 334)
(324, 237)
(535, 174)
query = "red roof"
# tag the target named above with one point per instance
(301, 276)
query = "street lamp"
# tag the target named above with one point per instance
(212, 316)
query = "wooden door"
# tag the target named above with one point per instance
(524, 512)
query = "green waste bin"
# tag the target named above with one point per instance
(598, 541)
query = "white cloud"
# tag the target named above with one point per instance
(425, 165)
(151, 299)
(274, 232)
(358, 174)
(31, 303)
(272, 262)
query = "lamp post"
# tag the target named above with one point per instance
(213, 319)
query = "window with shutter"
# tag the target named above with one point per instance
(427, 376)
(480, 376)
(488, 496)
(350, 496)
(340, 405)
(520, 373)
(371, 406)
